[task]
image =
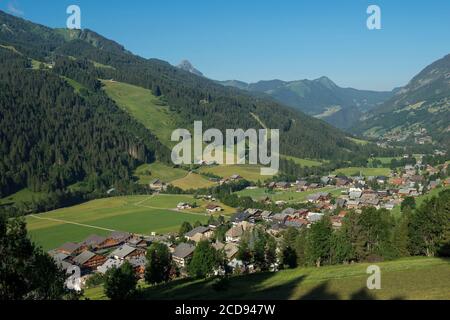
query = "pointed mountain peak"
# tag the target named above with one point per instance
(187, 66)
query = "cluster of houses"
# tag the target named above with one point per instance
(100, 253)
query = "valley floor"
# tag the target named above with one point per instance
(405, 279)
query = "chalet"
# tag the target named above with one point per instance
(314, 216)
(336, 222)
(88, 260)
(183, 254)
(342, 181)
(157, 185)
(239, 217)
(109, 264)
(137, 242)
(447, 182)
(295, 223)
(235, 177)
(313, 186)
(118, 237)
(265, 215)
(326, 180)
(397, 181)
(72, 248)
(280, 218)
(276, 228)
(183, 206)
(353, 204)
(340, 203)
(316, 197)
(230, 249)
(198, 234)
(433, 184)
(234, 234)
(211, 208)
(302, 185)
(126, 252)
(405, 192)
(289, 211)
(62, 260)
(389, 206)
(381, 179)
(95, 242)
(282, 185)
(355, 193)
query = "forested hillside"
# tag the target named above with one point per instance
(321, 98)
(58, 127)
(422, 106)
(52, 137)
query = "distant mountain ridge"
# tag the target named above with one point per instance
(321, 98)
(418, 110)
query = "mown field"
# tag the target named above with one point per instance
(137, 214)
(408, 279)
(193, 181)
(288, 195)
(367, 172)
(147, 172)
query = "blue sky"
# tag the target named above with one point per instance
(268, 39)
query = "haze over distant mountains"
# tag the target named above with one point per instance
(321, 98)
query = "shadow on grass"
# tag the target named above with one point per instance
(253, 286)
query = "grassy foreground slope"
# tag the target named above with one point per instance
(411, 278)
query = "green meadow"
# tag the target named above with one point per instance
(147, 172)
(247, 171)
(408, 279)
(286, 195)
(136, 214)
(364, 171)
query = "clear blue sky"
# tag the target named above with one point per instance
(261, 40)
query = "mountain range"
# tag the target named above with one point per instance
(321, 98)
(419, 110)
(59, 125)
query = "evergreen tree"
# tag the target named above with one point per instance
(204, 260)
(159, 264)
(120, 283)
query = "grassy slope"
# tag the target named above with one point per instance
(138, 214)
(147, 172)
(290, 196)
(364, 171)
(192, 181)
(411, 278)
(24, 195)
(248, 172)
(144, 107)
(304, 162)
